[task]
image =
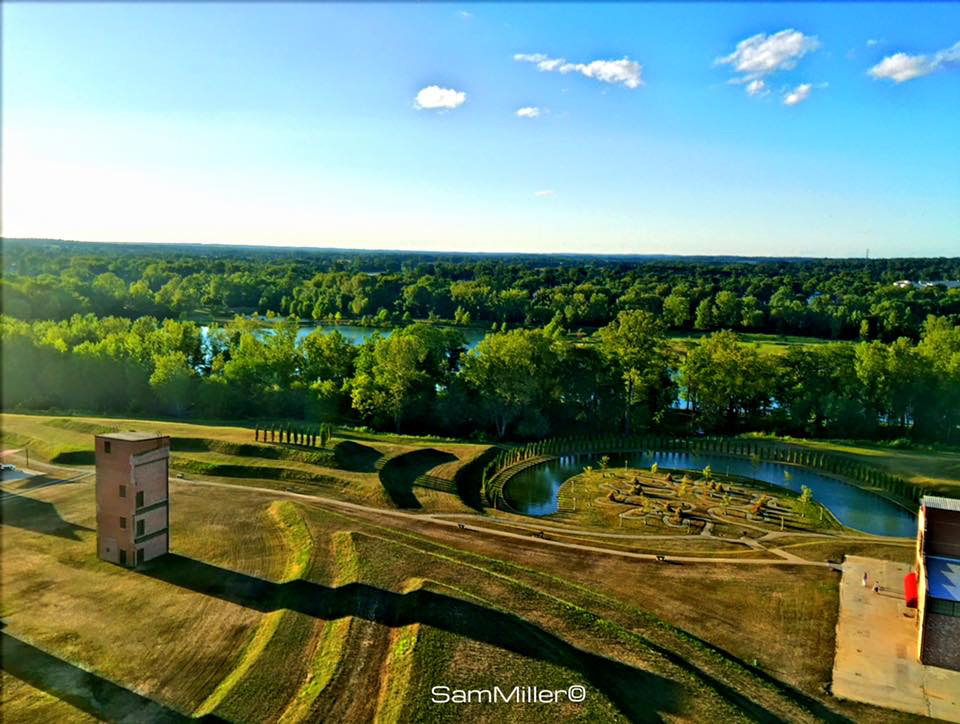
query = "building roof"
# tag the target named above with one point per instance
(132, 436)
(943, 577)
(938, 501)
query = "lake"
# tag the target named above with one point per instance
(358, 335)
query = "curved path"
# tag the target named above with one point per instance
(440, 519)
(786, 559)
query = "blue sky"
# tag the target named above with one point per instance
(298, 124)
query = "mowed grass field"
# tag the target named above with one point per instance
(935, 471)
(776, 344)
(368, 468)
(274, 609)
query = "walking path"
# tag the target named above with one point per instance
(420, 518)
(783, 558)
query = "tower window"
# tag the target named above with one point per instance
(123, 522)
(106, 446)
(123, 491)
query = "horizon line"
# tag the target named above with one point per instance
(452, 252)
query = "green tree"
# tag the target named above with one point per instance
(511, 377)
(390, 381)
(172, 381)
(634, 346)
(704, 319)
(676, 311)
(726, 380)
(727, 312)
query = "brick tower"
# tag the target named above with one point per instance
(132, 497)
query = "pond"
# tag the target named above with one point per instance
(8, 474)
(534, 491)
(358, 335)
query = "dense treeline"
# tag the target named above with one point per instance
(520, 384)
(832, 299)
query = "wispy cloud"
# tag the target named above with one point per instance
(465, 14)
(901, 67)
(873, 41)
(761, 55)
(798, 94)
(528, 112)
(625, 72)
(545, 193)
(433, 97)
(757, 87)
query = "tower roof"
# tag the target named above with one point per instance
(131, 436)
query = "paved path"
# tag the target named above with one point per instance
(876, 659)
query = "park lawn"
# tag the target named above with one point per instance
(781, 618)
(52, 435)
(35, 705)
(767, 344)
(162, 641)
(199, 653)
(492, 610)
(936, 472)
(230, 454)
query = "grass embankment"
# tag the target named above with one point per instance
(935, 471)
(328, 647)
(243, 623)
(35, 705)
(350, 467)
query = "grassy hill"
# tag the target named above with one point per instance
(389, 470)
(275, 608)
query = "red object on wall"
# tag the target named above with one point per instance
(910, 590)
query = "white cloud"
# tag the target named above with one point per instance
(762, 54)
(528, 112)
(757, 87)
(873, 41)
(901, 67)
(797, 95)
(625, 72)
(545, 193)
(465, 15)
(433, 97)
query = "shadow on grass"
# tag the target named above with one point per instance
(74, 457)
(469, 479)
(641, 696)
(35, 515)
(83, 689)
(355, 457)
(399, 474)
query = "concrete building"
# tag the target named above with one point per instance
(938, 582)
(132, 497)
